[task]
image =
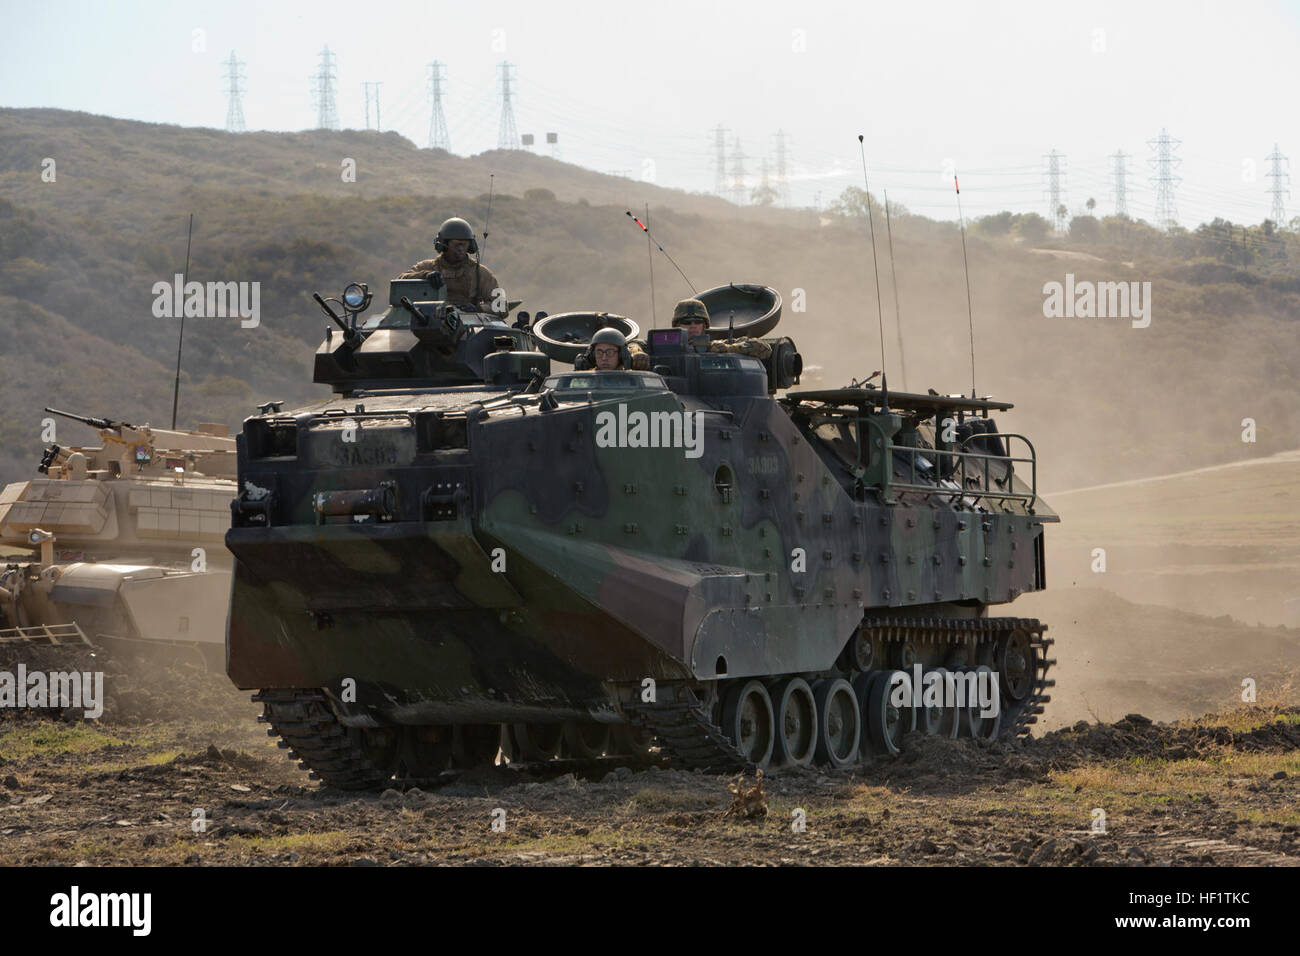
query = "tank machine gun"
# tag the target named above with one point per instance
(496, 553)
(139, 449)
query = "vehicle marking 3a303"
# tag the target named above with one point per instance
(366, 454)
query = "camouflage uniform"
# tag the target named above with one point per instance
(743, 346)
(468, 282)
(640, 355)
(693, 309)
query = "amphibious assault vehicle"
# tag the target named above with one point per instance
(467, 552)
(129, 537)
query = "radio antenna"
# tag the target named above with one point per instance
(662, 249)
(650, 256)
(893, 278)
(970, 311)
(880, 315)
(176, 388)
(482, 246)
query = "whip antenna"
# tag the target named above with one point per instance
(970, 312)
(482, 246)
(880, 316)
(893, 277)
(487, 221)
(176, 389)
(650, 255)
(662, 249)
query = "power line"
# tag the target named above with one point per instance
(1120, 172)
(507, 134)
(738, 173)
(1164, 179)
(369, 87)
(234, 103)
(438, 135)
(720, 161)
(782, 175)
(327, 114)
(1281, 179)
(1055, 169)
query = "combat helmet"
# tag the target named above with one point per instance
(688, 310)
(608, 336)
(455, 228)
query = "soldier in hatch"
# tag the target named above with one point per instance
(610, 350)
(693, 315)
(465, 280)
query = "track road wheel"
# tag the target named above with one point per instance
(586, 739)
(970, 702)
(474, 745)
(886, 721)
(945, 718)
(929, 717)
(796, 723)
(1015, 666)
(839, 723)
(423, 752)
(861, 684)
(538, 743)
(859, 653)
(747, 718)
(977, 724)
(628, 740)
(378, 745)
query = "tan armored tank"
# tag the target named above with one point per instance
(130, 536)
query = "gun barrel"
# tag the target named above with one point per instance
(88, 420)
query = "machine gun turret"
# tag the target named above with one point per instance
(423, 341)
(92, 422)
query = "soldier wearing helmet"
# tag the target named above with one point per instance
(466, 281)
(693, 315)
(610, 350)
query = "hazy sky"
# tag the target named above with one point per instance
(638, 87)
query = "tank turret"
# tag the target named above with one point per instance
(129, 537)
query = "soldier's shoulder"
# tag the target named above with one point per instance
(756, 348)
(424, 265)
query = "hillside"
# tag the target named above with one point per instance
(79, 257)
(1221, 540)
(1200, 589)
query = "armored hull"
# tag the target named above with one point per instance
(721, 574)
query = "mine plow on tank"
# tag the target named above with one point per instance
(466, 557)
(44, 635)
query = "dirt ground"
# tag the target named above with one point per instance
(1216, 541)
(177, 771)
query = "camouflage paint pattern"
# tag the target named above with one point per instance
(528, 572)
